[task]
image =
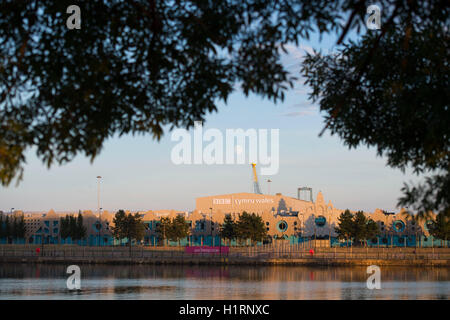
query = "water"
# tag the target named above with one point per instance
(28, 281)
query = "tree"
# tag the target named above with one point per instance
(163, 228)
(359, 227)
(440, 228)
(250, 226)
(20, 228)
(8, 230)
(177, 228)
(181, 228)
(2, 232)
(137, 66)
(64, 227)
(80, 229)
(73, 228)
(14, 228)
(389, 90)
(372, 229)
(128, 226)
(228, 229)
(344, 228)
(356, 227)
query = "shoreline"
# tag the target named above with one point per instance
(224, 261)
(283, 256)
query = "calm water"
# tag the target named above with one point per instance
(21, 281)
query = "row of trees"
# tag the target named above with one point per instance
(128, 226)
(12, 227)
(72, 227)
(247, 226)
(356, 227)
(131, 227)
(173, 229)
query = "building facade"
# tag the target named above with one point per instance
(286, 219)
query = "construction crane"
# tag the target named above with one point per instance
(256, 188)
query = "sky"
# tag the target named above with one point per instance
(138, 174)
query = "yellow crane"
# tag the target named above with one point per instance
(256, 188)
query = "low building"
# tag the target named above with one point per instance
(286, 219)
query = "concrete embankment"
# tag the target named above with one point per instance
(290, 256)
(232, 261)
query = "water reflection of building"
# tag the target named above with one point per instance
(287, 220)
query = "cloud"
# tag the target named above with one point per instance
(306, 109)
(298, 114)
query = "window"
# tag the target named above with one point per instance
(399, 226)
(320, 221)
(282, 226)
(97, 226)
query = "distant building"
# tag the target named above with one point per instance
(286, 219)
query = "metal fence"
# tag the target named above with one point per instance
(61, 253)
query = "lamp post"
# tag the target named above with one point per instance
(98, 195)
(302, 228)
(98, 206)
(268, 184)
(210, 224)
(100, 230)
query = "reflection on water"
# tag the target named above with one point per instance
(25, 281)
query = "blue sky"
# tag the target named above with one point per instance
(138, 173)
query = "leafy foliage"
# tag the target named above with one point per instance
(228, 228)
(174, 230)
(134, 67)
(356, 227)
(12, 227)
(71, 226)
(250, 226)
(345, 225)
(128, 226)
(2, 232)
(162, 228)
(139, 66)
(440, 228)
(390, 90)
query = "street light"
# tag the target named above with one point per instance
(100, 230)
(98, 195)
(210, 224)
(98, 206)
(268, 184)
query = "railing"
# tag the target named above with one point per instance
(249, 253)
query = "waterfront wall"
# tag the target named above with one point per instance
(287, 255)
